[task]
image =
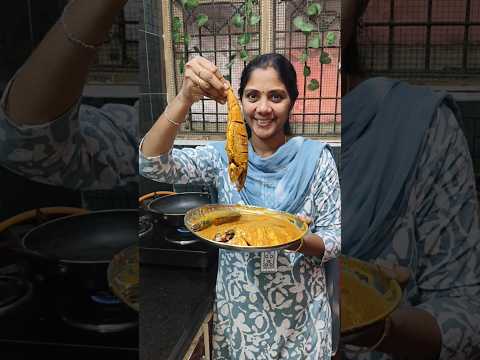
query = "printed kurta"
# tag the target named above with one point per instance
(281, 315)
(437, 238)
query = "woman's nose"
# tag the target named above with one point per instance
(263, 107)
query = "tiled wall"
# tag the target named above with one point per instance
(152, 82)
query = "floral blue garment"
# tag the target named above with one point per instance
(86, 148)
(259, 315)
(437, 238)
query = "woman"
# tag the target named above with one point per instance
(409, 184)
(261, 312)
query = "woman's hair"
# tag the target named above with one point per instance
(286, 72)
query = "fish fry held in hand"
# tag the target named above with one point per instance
(236, 145)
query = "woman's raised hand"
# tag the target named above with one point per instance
(202, 78)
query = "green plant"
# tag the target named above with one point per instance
(244, 20)
(315, 27)
(181, 37)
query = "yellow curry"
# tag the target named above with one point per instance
(254, 230)
(359, 302)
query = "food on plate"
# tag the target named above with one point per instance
(215, 218)
(251, 229)
(360, 302)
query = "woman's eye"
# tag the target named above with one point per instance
(276, 98)
(251, 97)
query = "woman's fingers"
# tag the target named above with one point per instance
(305, 219)
(207, 76)
(214, 70)
(396, 272)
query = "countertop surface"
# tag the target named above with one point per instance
(174, 302)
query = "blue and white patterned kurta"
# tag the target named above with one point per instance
(87, 148)
(437, 238)
(281, 315)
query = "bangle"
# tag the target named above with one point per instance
(298, 248)
(386, 332)
(71, 37)
(170, 120)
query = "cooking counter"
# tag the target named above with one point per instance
(174, 303)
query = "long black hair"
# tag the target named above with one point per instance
(286, 72)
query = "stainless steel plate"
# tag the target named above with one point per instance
(193, 215)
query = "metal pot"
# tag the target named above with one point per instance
(170, 209)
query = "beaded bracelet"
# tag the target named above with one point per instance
(71, 37)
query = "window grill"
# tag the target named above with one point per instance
(120, 52)
(316, 113)
(421, 38)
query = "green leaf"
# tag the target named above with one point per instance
(306, 70)
(244, 55)
(304, 56)
(298, 22)
(231, 57)
(331, 38)
(228, 78)
(254, 20)
(302, 25)
(181, 66)
(244, 39)
(177, 24)
(197, 49)
(237, 21)
(315, 42)
(313, 85)
(325, 58)
(314, 9)
(229, 65)
(190, 4)
(202, 19)
(186, 39)
(177, 38)
(248, 8)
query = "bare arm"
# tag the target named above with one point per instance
(202, 78)
(53, 77)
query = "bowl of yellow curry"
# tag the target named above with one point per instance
(245, 227)
(368, 295)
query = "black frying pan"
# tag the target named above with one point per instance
(82, 246)
(93, 237)
(171, 209)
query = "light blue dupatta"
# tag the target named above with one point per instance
(290, 168)
(383, 127)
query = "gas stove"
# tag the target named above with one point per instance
(43, 315)
(161, 244)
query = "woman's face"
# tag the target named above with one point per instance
(266, 103)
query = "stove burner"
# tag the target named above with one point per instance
(105, 298)
(101, 313)
(179, 236)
